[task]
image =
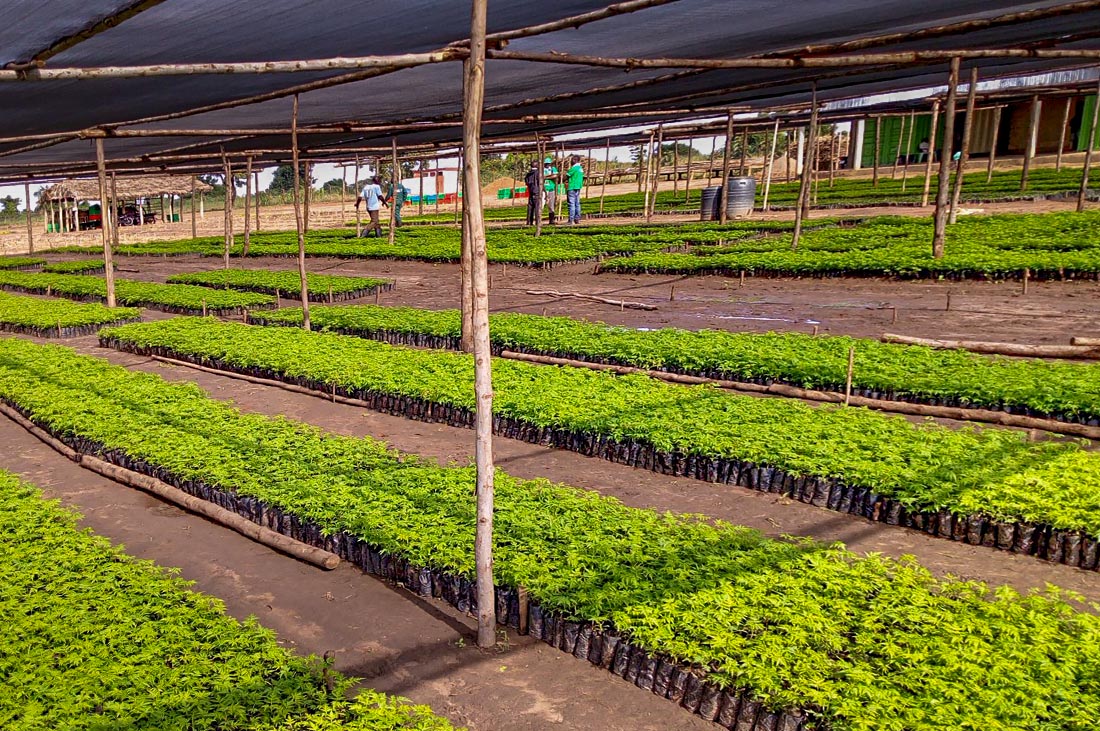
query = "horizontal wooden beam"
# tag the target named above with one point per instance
(348, 63)
(898, 58)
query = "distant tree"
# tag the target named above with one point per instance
(333, 186)
(9, 206)
(283, 180)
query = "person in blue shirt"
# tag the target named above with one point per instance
(372, 194)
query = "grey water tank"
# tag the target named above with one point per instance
(742, 196)
(708, 205)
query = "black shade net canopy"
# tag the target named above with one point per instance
(175, 84)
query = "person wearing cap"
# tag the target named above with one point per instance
(550, 187)
(531, 180)
(575, 178)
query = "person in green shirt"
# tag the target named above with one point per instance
(550, 188)
(397, 194)
(575, 176)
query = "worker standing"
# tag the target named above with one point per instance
(372, 194)
(533, 197)
(397, 195)
(550, 188)
(575, 178)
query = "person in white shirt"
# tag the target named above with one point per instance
(372, 194)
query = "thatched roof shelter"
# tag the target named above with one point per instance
(127, 188)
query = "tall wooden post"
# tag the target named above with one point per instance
(590, 167)
(710, 162)
(458, 187)
(473, 99)
(30, 225)
(606, 172)
(744, 152)
(908, 150)
(964, 153)
(940, 227)
(1065, 129)
(675, 169)
(420, 180)
(395, 184)
(308, 191)
(807, 173)
(1089, 144)
(194, 223)
(438, 186)
(1032, 139)
(993, 142)
(229, 188)
(114, 211)
(931, 153)
(875, 157)
(343, 194)
(466, 271)
(358, 217)
(248, 206)
(687, 178)
(298, 215)
(897, 153)
(723, 213)
(648, 166)
(787, 154)
(557, 187)
(108, 264)
(540, 167)
(656, 173)
(771, 164)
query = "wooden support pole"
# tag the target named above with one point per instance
(787, 155)
(834, 143)
(194, 223)
(248, 206)
(897, 153)
(473, 101)
(675, 169)
(1032, 139)
(807, 172)
(395, 186)
(30, 225)
(420, 182)
(771, 164)
(710, 164)
(687, 180)
(606, 173)
(108, 264)
(256, 194)
(1065, 130)
(656, 173)
(228, 208)
(590, 168)
(993, 143)
(723, 212)
(875, 156)
(648, 157)
(458, 188)
(541, 168)
(343, 194)
(964, 153)
(202, 205)
(940, 220)
(931, 153)
(308, 191)
(298, 215)
(438, 186)
(908, 150)
(1082, 192)
(743, 169)
(466, 270)
(358, 217)
(114, 211)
